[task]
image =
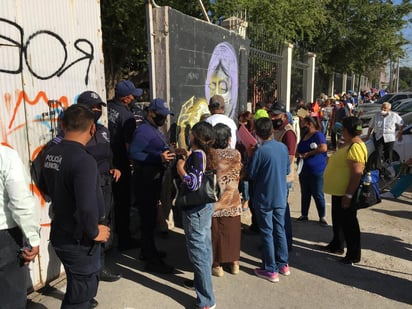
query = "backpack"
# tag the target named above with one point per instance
(36, 167)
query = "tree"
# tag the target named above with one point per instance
(348, 36)
(405, 79)
(125, 38)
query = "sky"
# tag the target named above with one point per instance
(407, 33)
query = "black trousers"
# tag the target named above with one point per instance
(82, 273)
(148, 187)
(345, 229)
(106, 186)
(122, 203)
(384, 150)
(13, 275)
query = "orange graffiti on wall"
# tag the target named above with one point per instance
(41, 95)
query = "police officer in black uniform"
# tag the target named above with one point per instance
(99, 148)
(72, 181)
(151, 155)
(121, 126)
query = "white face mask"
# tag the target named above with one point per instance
(384, 113)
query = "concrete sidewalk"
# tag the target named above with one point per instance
(383, 278)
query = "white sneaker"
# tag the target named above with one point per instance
(388, 195)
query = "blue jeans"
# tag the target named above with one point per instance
(312, 185)
(271, 223)
(244, 189)
(197, 224)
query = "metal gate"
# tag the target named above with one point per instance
(264, 66)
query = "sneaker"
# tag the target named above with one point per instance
(217, 271)
(93, 303)
(207, 307)
(322, 221)
(272, 277)
(234, 268)
(388, 195)
(284, 270)
(189, 284)
(302, 218)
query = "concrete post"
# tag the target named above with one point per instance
(344, 82)
(353, 86)
(309, 78)
(331, 87)
(286, 75)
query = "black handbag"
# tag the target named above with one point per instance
(208, 192)
(367, 194)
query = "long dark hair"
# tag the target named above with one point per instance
(204, 138)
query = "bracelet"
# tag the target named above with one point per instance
(348, 195)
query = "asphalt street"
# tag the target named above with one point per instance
(383, 278)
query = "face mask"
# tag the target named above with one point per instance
(304, 131)
(384, 113)
(277, 123)
(97, 115)
(159, 120)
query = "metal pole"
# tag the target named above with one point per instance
(204, 11)
(152, 73)
(397, 76)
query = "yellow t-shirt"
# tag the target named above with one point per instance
(337, 173)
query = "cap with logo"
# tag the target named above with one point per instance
(90, 99)
(160, 107)
(125, 88)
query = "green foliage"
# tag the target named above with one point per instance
(405, 79)
(352, 36)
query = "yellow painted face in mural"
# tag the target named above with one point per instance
(191, 112)
(220, 84)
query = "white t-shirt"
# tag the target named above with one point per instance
(220, 118)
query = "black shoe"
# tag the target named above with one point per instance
(349, 261)
(302, 218)
(189, 284)
(159, 254)
(330, 249)
(93, 303)
(158, 266)
(129, 245)
(107, 276)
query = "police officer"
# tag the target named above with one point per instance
(150, 153)
(121, 126)
(72, 181)
(99, 148)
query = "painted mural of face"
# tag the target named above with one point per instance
(220, 84)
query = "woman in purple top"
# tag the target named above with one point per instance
(197, 220)
(312, 149)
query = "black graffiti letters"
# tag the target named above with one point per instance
(37, 50)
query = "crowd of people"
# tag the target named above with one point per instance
(92, 174)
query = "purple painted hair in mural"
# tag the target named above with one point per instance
(222, 77)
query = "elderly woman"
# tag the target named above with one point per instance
(348, 162)
(312, 149)
(226, 224)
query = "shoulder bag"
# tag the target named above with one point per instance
(208, 192)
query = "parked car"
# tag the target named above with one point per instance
(403, 108)
(407, 118)
(392, 97)
(402, 150)
(365, 112)
(397, 103)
